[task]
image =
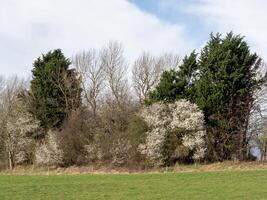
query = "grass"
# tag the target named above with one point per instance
(190, 185)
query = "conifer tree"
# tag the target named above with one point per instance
(179, 84)
(222, 82)
(55, 89)
(227, 83)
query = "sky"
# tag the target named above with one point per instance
(30, 28)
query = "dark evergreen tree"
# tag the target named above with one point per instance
(179, 84)
(225, 91)
(222, 82)
(55, 89)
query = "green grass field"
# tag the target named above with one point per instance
(197, 185)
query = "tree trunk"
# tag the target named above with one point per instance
(10, 160)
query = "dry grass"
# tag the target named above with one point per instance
(222, 166)
(74, 170)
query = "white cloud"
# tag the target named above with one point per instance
(245, 17)
(32, 27)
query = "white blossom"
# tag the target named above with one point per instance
(48, 152)
(17, 123)
(154, 145)
(119, 151)
(181, 117)
(94, 151)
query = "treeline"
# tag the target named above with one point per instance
(91, 110)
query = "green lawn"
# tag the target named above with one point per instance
(198, 185)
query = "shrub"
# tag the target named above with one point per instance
(17, 124)
(177, 133)
(48, 152)
(120, 151)
(77, 132)
(117, 137)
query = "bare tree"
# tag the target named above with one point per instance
(2, 82)
(169, 61)
(261, 142)
(69, 85)
(91, 72)
(147, 70)
(115, 68)
(257, 126)
(2, 138)
(145, 74)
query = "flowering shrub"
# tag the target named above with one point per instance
(18, 141)
(94, 152)
(48, 153)
(183, 120)
(154, 145)
(16, 124)
(119, 151)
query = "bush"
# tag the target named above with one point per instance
(120, 151)
(48, 152)
(77, 132)
(117, 137)
(135, 133)
(177, 133)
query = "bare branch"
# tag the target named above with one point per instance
(91, 72)
(147, 70)
(115, 68)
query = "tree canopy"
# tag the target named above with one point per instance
(55, 89)
(222, 82)
(174, 84)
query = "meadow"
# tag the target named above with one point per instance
(186, 185)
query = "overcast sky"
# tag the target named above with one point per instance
(32, 27)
